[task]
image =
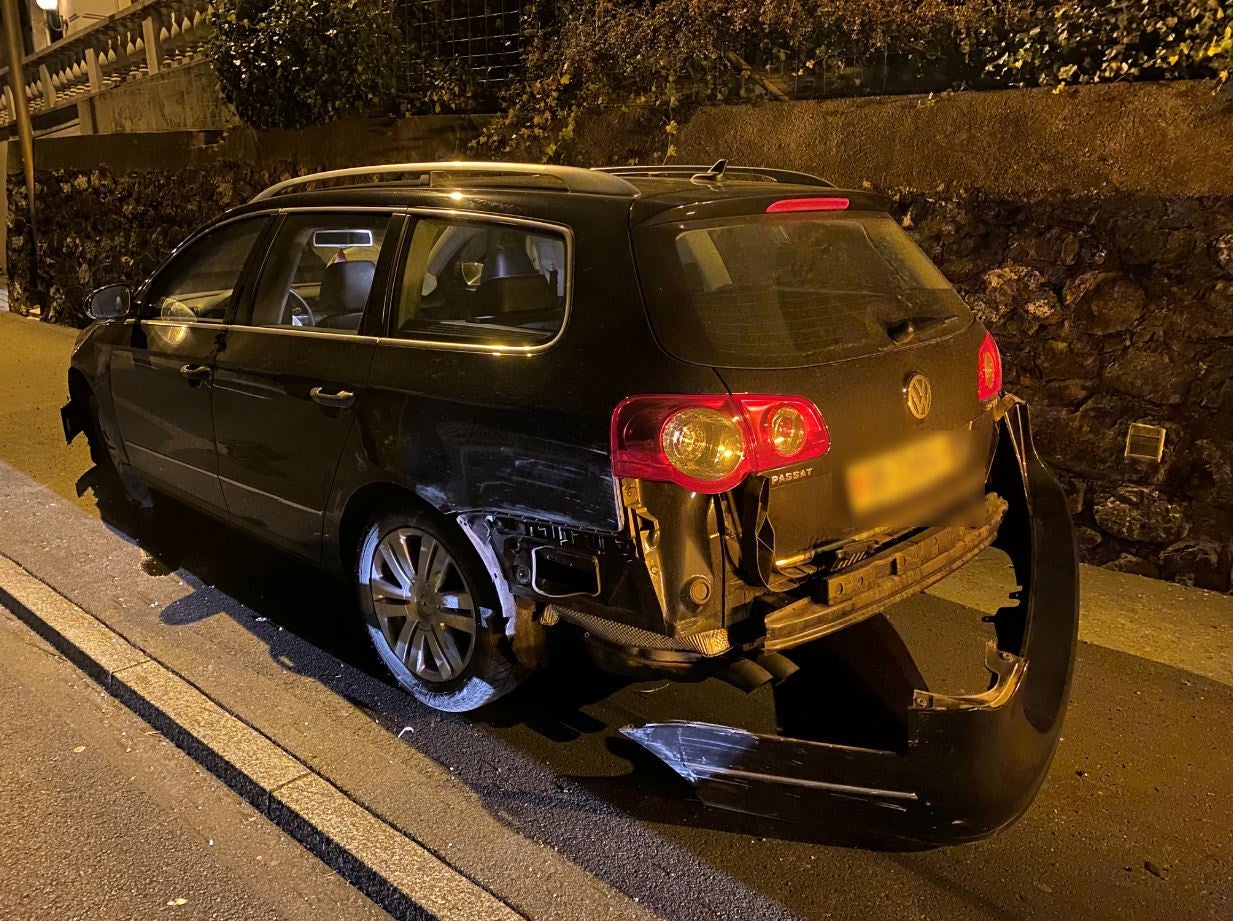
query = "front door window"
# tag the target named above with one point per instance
(200, 283)
(320, 272)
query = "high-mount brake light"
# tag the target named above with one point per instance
(710, 443)
(989, 369)
(807, 204)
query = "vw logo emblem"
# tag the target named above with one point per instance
(918, 395)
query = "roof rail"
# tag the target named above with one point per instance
(748, 173)
(569, 178)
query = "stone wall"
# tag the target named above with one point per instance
(1156, 139)
(1100, 259)
(1110, 311)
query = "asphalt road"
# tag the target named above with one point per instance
(1133, 822)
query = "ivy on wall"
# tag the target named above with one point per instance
(1094, 41)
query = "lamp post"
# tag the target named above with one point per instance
(21, 112)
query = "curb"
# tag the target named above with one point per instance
(393, 870)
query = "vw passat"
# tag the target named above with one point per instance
(712, 419)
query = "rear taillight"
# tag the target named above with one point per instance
(709, 443)
(989, 369)
(807, 204)
(787, 430)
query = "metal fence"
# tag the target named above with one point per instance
(483, 39)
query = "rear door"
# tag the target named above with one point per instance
(294, 374)
(840, 307)
(161, 380)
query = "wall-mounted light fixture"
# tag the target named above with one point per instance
(48, 6)
(1145, 442)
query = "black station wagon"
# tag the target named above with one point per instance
(707, 418)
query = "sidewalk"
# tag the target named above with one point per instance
(1188, 628)
(104, 819)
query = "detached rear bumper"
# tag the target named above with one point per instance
(970, 765)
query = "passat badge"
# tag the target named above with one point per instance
(918, 395)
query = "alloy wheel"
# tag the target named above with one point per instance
(424, 606)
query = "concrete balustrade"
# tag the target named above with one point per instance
(146, 38)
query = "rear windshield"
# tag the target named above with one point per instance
(791, 290)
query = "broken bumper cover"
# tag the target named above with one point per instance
(970, 765)
(72, 421)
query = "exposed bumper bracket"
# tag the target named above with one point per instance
(884, 579)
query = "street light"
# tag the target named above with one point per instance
(15, 53)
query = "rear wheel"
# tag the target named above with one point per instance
(432, 612)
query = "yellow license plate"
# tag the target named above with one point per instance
(902, 473)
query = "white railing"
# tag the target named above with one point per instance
(148, 37)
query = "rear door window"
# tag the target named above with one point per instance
(791, 290)
(483, 282)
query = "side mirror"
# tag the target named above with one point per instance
(110, 303)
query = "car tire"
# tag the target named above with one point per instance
(419, 626)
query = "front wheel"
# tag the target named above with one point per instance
(432, 613)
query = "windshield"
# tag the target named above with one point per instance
(791, 290)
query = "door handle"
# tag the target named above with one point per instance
(194, 372)
(340, 400)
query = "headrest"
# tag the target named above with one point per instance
(507, 256)
(512, 294)
(345, 286)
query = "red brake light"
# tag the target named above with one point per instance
(989, 369)
(807, 204)
(708, 443)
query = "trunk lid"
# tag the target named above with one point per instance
(841, 307)
(885, 468)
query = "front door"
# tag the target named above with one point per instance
(292, 379)
(161, 381)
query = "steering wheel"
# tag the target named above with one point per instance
(300, 311)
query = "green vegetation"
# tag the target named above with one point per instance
(667, 56)
(294, 63)
(290, 63)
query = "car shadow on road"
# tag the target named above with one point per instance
(567, 717)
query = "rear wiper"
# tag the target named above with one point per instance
(906, 329)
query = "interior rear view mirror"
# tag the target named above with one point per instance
(109, 303)
(338, 239)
